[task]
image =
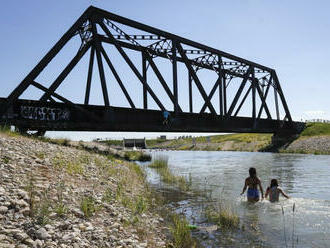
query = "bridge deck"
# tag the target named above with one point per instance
(36, 115)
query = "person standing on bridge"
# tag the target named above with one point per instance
(166, 116)
(252, 182)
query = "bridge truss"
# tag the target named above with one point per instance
(218, 113)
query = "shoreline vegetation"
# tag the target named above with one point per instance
(80, 194)
(315, 139)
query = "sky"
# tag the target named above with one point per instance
(290, 36)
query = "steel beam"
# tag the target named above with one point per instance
(196, 80)
(66, 71)
(120, 119)
(280, 92)
(89, 76)
(97, 45)
(190, 93)
(265, 96)
(175, 77)
(162, 81)
(243, 100)
(114, 72)
(132, 66)
(239, 92)
(217, 83)
(144, 75)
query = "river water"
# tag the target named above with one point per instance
(221, 175)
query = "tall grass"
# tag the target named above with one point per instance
(223, 215)
(181, 233)
(160, 163)
(7, 130)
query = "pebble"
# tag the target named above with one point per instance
(42, 234)
(3, 209)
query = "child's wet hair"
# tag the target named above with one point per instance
(252, 172)
(273, 183)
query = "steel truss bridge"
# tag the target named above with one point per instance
(220, 110)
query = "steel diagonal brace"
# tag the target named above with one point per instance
(211, 94)
(131, 65)
(89, 75)
(280, 92)
(112, 68)
(263, 100)
(196, 79)
(243, 100)
(239, 92)
(265, 96)
(161, 79)
(97, 44)
(66, 71)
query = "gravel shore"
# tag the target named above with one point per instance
(56, 196)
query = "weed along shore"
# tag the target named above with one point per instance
(72, 194)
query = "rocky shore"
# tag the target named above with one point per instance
(316, 144)
(56, 196)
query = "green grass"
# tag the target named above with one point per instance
(223, 215)
(181, 233)
(154, 142)
(316, 129)
(112, 142)
(161, 165)
(73, 166)
(159, 162)
(88, 206)
(137, 156)
(6, 130)
(60, 209)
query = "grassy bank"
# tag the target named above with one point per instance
(315, 139)
(316, 129)
(227, 142)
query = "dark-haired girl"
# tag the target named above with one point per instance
(252, 183)
(274, 191)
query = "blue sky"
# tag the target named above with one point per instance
(289, 36)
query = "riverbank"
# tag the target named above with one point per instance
(315, 139)
(60, 196)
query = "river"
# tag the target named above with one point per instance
(220, 175)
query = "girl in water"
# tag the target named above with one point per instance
(252, 182)
(274, 191)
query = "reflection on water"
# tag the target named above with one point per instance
(221, 175)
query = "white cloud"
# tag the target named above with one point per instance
(315, 113)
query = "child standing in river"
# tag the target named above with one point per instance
(274, 191)
(252, 183)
